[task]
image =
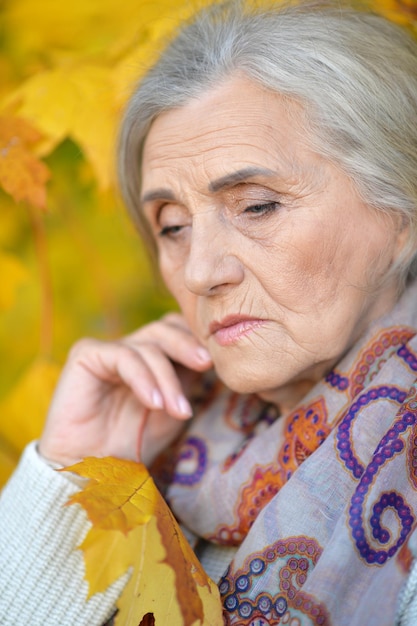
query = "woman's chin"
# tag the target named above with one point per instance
(282, 387)
(243, 380)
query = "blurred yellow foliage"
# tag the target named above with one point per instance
(27, 402)
(15, 271)
(22, 175)
(76, 268)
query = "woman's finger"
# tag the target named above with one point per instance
(175, 340)
(167, 379)
(145, 370)
(116, 363)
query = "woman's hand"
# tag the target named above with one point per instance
(124, 398)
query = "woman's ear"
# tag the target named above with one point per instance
(403, 248)
(402, 227)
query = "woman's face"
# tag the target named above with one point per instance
(273, 257)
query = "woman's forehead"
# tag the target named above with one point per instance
(236, 102)
(236, 127)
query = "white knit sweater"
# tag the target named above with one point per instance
(41, 571)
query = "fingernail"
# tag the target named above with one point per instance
(203, 355)
(184, 406)
(157, 400)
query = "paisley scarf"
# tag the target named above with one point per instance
(321, 502)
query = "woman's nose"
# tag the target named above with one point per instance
(212, 264)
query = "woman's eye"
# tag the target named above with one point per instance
(169, 231)
(171, 219)
(263, 209)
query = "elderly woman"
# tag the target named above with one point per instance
(269, 159)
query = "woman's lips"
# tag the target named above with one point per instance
(232, 328)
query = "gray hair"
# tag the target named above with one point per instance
(354, 72)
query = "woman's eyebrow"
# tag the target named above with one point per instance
(229, 180)
(157, 194)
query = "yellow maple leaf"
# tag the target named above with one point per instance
(119, 495)
(133, 526)
(94, 127)
(22, 174)
(182, 559)
(161, 592)
(75, 102)
(107, 555)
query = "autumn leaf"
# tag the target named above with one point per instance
(107, 556)
(22, 174)
(134, 527)
(178, 594)
(187, 597)
(119, 495)
(76, 103)
(182, 559)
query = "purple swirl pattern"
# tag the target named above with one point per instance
(192, 462)
(391, 445)
(392, 500)
(343, 434)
